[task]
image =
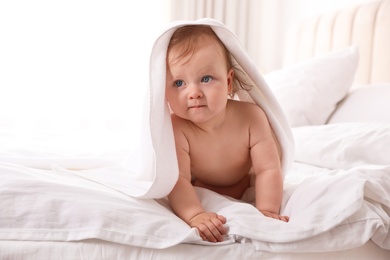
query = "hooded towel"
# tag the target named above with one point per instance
(159, 167)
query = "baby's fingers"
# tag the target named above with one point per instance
(217, 229)
(222, 219)
(280, 217)
(275, 216)
(284, 218)
(210, 226)
(209, 232)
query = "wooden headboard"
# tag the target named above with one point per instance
(366, 25)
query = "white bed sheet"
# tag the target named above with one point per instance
(102, 250)
(334, 203)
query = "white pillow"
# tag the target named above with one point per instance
(343, 145)
(365, 104)
(309, 91)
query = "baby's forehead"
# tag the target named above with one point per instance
(185, 49)
(196, 41)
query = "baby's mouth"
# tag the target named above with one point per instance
(196, 106)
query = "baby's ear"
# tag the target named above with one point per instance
(230, 79)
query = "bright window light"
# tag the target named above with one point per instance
(76, 66)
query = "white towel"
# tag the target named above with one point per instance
(159, 162)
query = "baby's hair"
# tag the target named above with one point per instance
(186, 38)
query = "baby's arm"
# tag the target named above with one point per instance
(266, 165)
(185, 202)
(187, 206)
(269, 191)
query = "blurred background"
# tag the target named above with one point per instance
(80, 67)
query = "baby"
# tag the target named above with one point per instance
(218, 140)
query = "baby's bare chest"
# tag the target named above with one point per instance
(220, 160)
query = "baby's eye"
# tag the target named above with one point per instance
(178, 83)
(206, 79)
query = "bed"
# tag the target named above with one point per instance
(335, 91)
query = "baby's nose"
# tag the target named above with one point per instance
(195, 92)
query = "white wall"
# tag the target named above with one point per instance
(76, 65)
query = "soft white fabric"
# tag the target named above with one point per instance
(343, 145)
(55, 204)
(158, 154)
(367, 103)
(310, 90)
(71, 210)
(99, 249)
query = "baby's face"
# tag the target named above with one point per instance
(197, 87)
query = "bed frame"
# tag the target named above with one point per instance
(367, 26)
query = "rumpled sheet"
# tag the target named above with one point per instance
(336, 194)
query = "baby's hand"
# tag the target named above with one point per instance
(275, 215)
(210, 226)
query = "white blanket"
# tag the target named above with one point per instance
(336, 198)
